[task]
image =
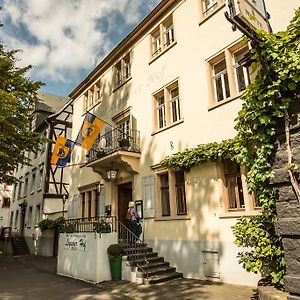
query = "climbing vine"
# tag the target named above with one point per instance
(276, 60)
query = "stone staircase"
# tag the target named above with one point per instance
(153, 268)
(19, 245)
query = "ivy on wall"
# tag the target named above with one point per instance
(276, 59)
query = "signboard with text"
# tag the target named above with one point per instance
(76, 242)
(249, 13)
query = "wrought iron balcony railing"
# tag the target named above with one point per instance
(113, 141)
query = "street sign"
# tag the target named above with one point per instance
(248, 13)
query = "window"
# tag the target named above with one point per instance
(92, 96)
(161, 111)
(40, 180)
(11, 219)
(90, 197)
(241, 73)
(167, 107)
(162, 37)
(26, 186)
(164, 194)
(221, 83)
(122, 71)
(238, 199)
(33, 176)
(229, 77)
(15, 186)
(209, 7)
(82, 205)
(6, 202)
(234, 185)
(37, 214)
(89, 202)
(17, 219)
(175, 105)
(180, 193)
(29, 217)
(20, 187)
(171, 194)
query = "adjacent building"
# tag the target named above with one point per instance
(42, 187)
(174, 82)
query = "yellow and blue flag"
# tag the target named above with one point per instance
(62, 151)
(89, 131)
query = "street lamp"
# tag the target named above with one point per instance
(112, 173)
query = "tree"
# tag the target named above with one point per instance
(17, 101)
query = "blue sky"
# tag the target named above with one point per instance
(65, 39)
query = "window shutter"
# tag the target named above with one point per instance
(101, 201)
(148, 196)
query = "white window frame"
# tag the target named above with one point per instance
(175, 105)
(236, 65)
(163, 36)
(221, 75)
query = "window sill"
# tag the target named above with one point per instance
(124, 82)
(238, 214)
(168, 127)
(154, 58)
(205, 18)
(172, 218)
(218, 104)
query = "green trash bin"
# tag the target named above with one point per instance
(115, 264)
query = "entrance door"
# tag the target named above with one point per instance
(124, 196)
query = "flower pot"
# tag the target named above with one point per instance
(115, 264)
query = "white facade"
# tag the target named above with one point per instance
(181, 89)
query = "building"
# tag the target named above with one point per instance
(41, 187)
(5, 198)
(174, 82)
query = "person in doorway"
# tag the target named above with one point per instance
(132, 218)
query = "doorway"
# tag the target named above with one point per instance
(124, 196)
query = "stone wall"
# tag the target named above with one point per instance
(288, 208)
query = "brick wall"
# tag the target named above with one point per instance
(288, 208)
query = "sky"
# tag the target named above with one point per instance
(65, 39)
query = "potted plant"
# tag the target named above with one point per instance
(115, 253)
(103, 227)
(101, 153)
(124, 143)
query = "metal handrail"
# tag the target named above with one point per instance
(101, 224)
(113, 141)
(135, 244)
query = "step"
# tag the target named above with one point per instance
(139, 249)
(133, 246)
(164, 277)
(150, 260)
(155, 265)
(161, 270)
(140, 256)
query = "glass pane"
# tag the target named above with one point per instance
(219, 67)
(227, 90)
(241, 194)
(240, 78)
(219, 90)
(231, 193)
(165, 202)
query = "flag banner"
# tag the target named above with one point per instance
(62, 151)
(89, 131)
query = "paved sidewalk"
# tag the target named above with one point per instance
(35, 279)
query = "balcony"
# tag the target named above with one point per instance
(116, 149)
